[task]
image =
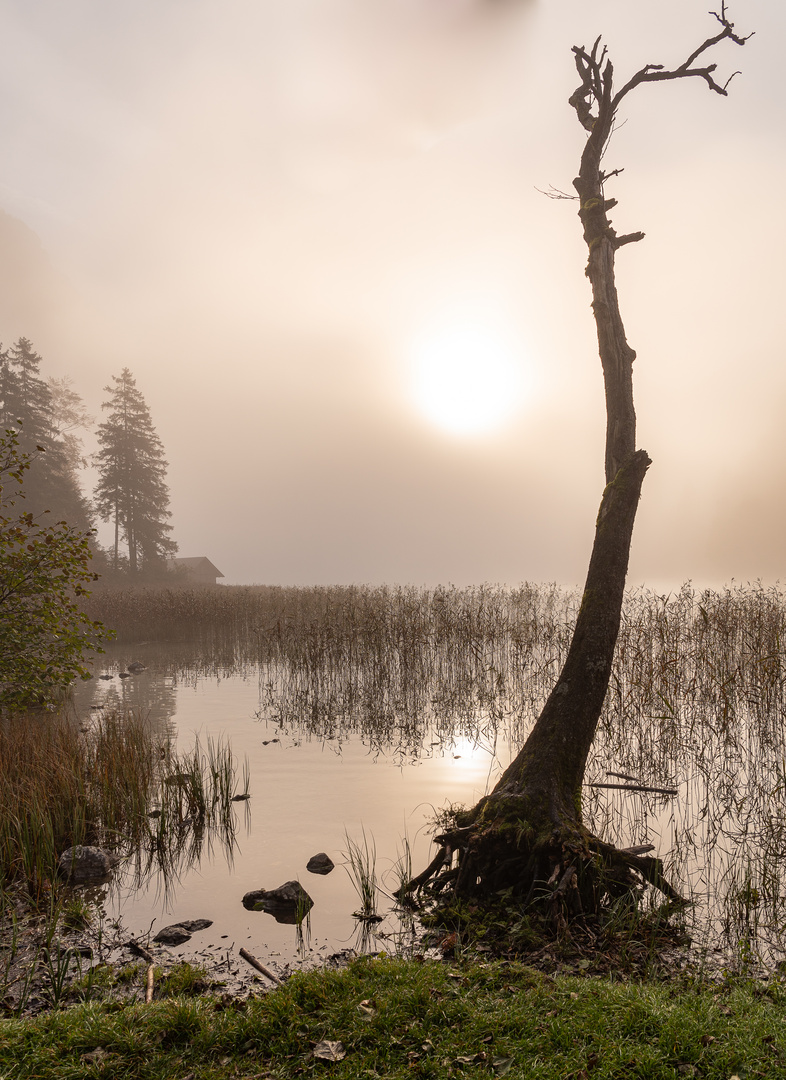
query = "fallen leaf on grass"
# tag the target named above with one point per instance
(502, 1066)
(368, 1008)
(329, 1050)
(474, 1059)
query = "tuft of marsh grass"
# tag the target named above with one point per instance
(77, 913)
(362, 869)
(401, 870)
(64, 783)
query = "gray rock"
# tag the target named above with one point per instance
(289, 903)
(320, 864)
(180, 932)
(172, 935)
(85, 863)
(192, 925)
(135, 667)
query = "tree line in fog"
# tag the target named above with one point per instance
(130, 493)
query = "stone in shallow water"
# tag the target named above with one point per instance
(178, 933)
(320, 864)
(172, 935)
(84, 863)
(289, 903)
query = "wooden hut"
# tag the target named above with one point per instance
(197, 571)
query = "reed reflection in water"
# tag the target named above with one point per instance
(388, 702)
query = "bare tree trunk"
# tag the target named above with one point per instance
(553, 758)
(117, 535)
(529, 829)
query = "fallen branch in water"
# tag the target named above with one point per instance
(639, 787)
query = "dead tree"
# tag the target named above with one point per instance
(527, 835)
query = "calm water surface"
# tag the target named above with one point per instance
(307, 794)
(319, 771)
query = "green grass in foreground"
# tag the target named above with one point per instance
(403, 1019)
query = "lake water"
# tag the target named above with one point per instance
(307, 794)
(316, 777)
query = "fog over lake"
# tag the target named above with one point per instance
(314, 234)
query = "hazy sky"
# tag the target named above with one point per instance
(312, 230)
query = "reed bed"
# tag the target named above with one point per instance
(697, 702)
(111, 781)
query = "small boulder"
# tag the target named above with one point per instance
(84, 863)
(135, 667)
(289, 903)
(320, 864)
(178, 933)
(172, 935)
(192, 925)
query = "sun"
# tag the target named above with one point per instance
(466, 375)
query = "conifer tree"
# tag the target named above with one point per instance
(52, 485)
(132, 490)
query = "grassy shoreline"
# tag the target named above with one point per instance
(397, 1018)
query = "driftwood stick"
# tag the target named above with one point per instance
(140, 950)
(252, 960)
(639, 787)
(151, 974)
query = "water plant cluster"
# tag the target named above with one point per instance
(111, 781)
(696, 704)
(114, 782)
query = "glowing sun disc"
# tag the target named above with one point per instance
(466, 377)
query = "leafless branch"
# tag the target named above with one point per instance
(657, 72)
(556, 193)
(627, 238)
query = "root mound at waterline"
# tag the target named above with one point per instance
(503, 853)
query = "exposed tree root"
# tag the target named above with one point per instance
(558, 874)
